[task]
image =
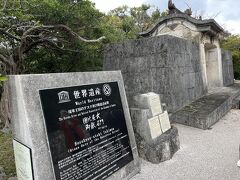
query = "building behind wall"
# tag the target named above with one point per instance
(179, 58)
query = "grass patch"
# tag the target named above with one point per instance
(7, 155)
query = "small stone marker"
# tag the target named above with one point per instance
(77, 126)
(164, 121)
(149, 101)
(154, 127)
(155, 143)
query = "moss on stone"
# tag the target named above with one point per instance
(7, 155)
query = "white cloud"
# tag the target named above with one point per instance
(232, 26)
(229, 14)
(107, 5)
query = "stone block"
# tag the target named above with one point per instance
(164, 121)
(236, 103)
(12, 178)
(149, 101)
(2, 174)
(227, 68)
(145, 125)
(162, 149)
(154, 127)
(204, 112)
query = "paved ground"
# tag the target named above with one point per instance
(204, 154)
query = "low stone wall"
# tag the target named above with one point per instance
(166, 65)
(227, 68)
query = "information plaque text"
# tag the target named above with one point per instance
(86, 131)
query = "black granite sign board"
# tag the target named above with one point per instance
(86, 131)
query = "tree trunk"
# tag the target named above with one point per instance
(4, 108)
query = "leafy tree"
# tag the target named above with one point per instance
(118, 25)
(141, 17)
(232, 43)
(125, 23)
(80, 16)
(156, 15)
(40, 36)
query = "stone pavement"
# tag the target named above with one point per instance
(204, 155)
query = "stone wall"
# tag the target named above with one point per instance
(166, 65)
(227, 67)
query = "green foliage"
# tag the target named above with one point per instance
(2, 79)
(6, 154)
(141, 16)
(125, 23)
(118, 29)
(156, 15)
(83, 18)
(232, 44)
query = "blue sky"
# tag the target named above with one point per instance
(225, 12)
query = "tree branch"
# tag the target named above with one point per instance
(2, 31)
(5, 60)
(45, 36)
(67, 29)
(4, 5)
(61, 27)
(51, 44)
(54, 46)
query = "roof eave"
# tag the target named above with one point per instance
(214, 26)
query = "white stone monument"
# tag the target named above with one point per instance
(157, 141)
(164, 121)
(149, 119)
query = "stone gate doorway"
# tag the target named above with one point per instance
(213, 65)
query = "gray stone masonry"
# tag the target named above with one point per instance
(209, 109)
(12, 178)
(166, 65)
(2, 174)
(28, 120)
(140, 123)
(204, 112)
(149, 101)
(227, 68)
(162, 149)
(236, 103)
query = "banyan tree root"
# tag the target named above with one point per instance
(4, 109)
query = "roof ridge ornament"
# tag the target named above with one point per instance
(188, 11)
(172, 8)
